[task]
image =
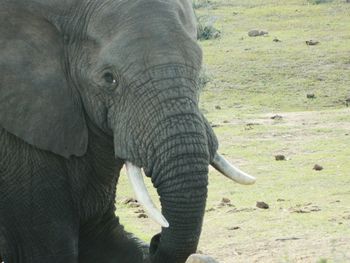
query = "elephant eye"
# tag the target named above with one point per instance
(109, 78)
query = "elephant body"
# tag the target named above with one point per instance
(54, 203)
(86, 86)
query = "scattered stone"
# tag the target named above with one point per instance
(233, 228)
(315, 209)
(257, 33)
(281, 200)
(311, 96)
(277, 117)
(134, 205)
(210, 209)
(300, 211)
(276, 40)
(226, 121)
(217, 107)
(250, 126)
(287, 239)
(318, 167)
(215, 125)
(280, 157)
(311, 42)
(225, 200)
(140, 211)
(262, 205)
(142, 216)
(128, 200)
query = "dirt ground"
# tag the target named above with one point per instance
(304, 227)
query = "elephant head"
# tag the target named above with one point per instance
(129, 68)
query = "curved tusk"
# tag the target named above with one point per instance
(230, 171)
(142, 195)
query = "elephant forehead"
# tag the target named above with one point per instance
(139, 17)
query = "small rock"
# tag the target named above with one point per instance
(310, 96)
(287, 239)
(233, 228)
(226, 121)
(217, 107)
(280, 157)
(280, 200)
(225, 200)
(129, 200)
(312, 42)
(134, 205)
(142, 216)
(276, 40)
(210, 209)
(318, 167)
(262, 205)
(277, 117)
(257, 33)
(140, 211)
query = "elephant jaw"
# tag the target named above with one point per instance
(136, 180)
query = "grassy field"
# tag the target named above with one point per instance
(252, 80)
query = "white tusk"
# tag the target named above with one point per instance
(142, 195)
(230, 171)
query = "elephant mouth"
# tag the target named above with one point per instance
(136, 180)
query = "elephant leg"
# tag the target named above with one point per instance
(40, 241)
(104, 240)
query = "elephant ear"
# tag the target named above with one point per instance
(36, 102)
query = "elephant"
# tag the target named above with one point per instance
(86, 87)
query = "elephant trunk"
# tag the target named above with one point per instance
(167, 136)
(180, 175)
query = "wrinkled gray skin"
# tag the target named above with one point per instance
(84, 86)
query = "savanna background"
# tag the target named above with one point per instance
(282, 95)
